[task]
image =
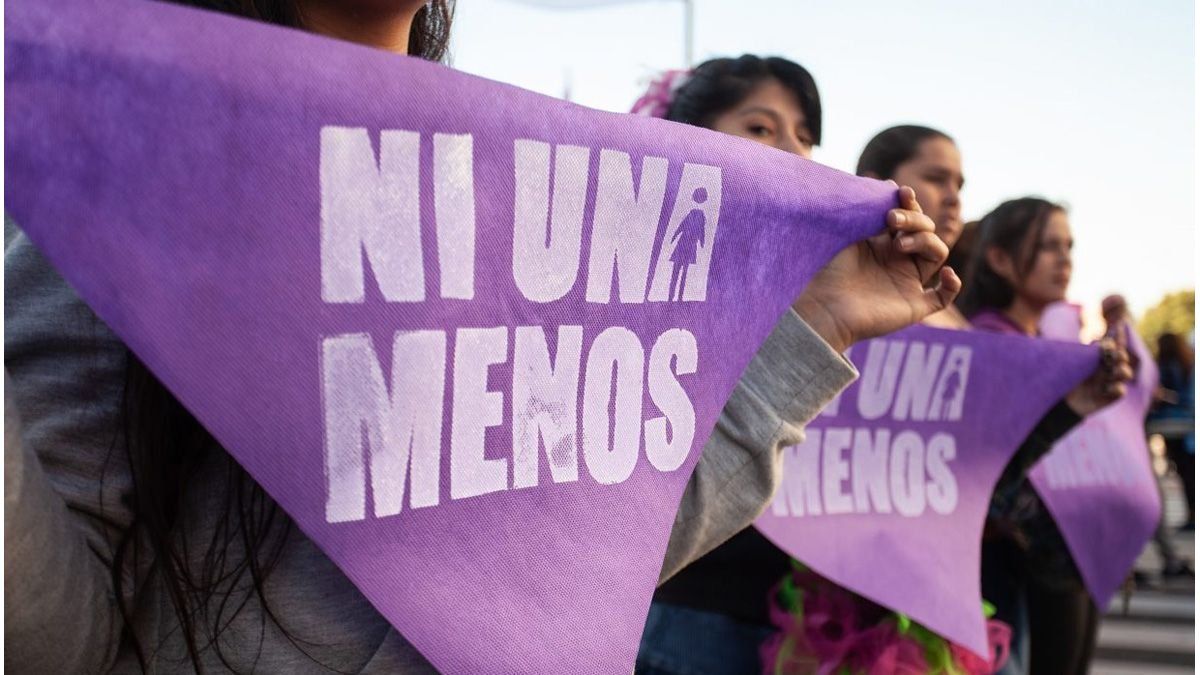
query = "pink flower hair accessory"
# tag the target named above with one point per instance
(656, 101)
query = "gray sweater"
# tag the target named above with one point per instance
(66, 502)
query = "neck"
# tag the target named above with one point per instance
(1025, 315)
(380, 25)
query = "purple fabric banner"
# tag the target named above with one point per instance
(354, 268)
(888, 494)
(1097, 482)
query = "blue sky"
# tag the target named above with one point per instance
(1087, 103)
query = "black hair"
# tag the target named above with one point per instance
(892, 147)
(1015, 227)
(960, 253)
(718, 85)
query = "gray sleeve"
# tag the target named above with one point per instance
(59, 614)
(791, 378)
(65, 478)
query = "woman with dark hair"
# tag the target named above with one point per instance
(770, 100)
(713, 615)
(1020, 266)
(1177, 401)
(134, 542)
(928, 160)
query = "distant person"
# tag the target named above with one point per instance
(1177, 401)
(1021, 265)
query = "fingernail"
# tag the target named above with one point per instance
(906, 242)
(901, 218)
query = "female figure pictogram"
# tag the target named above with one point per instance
(690, 236)
(950, 388)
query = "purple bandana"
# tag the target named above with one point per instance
(887, 495)
(1097, 482)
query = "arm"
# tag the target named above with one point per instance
(1056, 424)
(64, 373)
(791, 378)
(59, 610)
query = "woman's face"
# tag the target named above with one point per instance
(1048, 277)
(772, 116)
(935, 174)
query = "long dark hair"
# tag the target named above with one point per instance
(1015, 227)
(892, 147)
(718, 85)
(960, 253)
(165, 446)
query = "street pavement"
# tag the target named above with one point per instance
(1151, 630)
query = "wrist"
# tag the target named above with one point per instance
(1077, 401)
(824, 324)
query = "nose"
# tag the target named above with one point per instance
(952, 190)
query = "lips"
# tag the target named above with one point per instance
(952, 225)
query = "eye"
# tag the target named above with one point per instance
(759, 130)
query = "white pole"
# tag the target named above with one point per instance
(688, 20)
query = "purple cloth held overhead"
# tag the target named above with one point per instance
(434, 316)
(888, 494)
(1097, 482)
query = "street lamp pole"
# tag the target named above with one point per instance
(688, 22)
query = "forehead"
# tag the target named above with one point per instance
(1057, 226)
(770, 94)
(940, 152)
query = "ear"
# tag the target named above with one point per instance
(1002, 264)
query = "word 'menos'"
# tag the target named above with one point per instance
(857, 465)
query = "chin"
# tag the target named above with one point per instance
(949, 232)
(1052, 298)
(1044, 300)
